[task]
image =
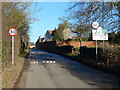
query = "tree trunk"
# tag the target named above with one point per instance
(81, 42)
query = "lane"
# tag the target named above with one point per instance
(50, 75)
(89, 75)
(63, 73)
(38, 78)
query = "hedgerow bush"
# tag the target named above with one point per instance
(111, 55)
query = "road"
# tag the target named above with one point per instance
(48, 70)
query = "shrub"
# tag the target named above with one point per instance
(72, 40)
(85, 38)
(111, 55)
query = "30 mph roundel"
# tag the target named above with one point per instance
(95, 25)
(12, 31)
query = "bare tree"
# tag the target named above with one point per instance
(19, 16)
(106, 13)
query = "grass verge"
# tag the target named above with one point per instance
(10, 73)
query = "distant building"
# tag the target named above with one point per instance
(39, 41)
(67, 34)
(31, 44)
(49, 35)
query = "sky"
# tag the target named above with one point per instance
(49, 14)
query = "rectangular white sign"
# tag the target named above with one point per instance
(100, 36)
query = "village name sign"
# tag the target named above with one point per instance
(99, 33)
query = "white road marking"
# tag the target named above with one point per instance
(48, 62)
(43, 62)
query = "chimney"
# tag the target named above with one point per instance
(55, 29)
(39, 39)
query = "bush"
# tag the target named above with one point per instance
(85, 38)
(111, 55)
(77, 48)
(72, 40)
(66, 48)
(73, 54)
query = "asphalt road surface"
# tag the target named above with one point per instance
(48, 70)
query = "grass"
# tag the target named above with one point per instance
(0, 53)
(72, 54)
(78, 48)
(0, 66)
(24, 54)
(10, 73)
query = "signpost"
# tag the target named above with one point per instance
(98, 34)
(95, 25)
(12, 32)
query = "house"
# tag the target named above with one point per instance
(67, 34)
(39, 40)
(49, 35)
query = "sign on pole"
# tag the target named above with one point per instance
(12, 32)
(95, 25)
(99, 34)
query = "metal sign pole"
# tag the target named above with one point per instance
(96, 51)
(103, 45)
(12, 32)
(13, 62)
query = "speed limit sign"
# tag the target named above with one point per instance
(12, 31)
(95, 25)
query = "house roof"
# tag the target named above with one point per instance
(50, 32)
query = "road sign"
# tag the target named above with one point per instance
(99, 34)
(12, 31)
(95, 25)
